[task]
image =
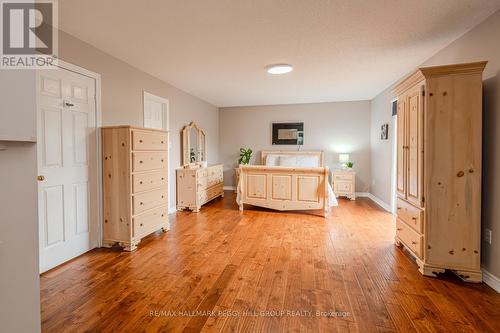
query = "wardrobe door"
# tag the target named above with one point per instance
(401, 147)
(415, 145)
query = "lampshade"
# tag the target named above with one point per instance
(343, 158)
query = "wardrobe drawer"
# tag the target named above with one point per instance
(143, 161)
(410, 238)
(151, 221)
(410, 214)
(148, 181)
(142, 140)
(147, 200)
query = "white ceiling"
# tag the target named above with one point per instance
(218, 49)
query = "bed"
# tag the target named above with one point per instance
(286, 180)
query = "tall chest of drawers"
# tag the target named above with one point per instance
(135, 184)
(195, 187)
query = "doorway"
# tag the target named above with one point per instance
(68, 118)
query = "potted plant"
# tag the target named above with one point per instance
(349, 165)
(245, 155)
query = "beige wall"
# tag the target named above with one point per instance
(481, 43)
(331, 127)
(19, 278)
(122, 91)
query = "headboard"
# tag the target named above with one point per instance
(320, 154)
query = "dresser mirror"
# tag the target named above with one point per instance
(193, 146)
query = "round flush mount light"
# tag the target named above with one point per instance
(279, 69)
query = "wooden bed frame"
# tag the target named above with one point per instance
(284, 188)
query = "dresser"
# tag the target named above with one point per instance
(439, 124)
(197, 186)
(344, 183)
(135, 184)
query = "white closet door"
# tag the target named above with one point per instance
(66, 131)
(155, 112)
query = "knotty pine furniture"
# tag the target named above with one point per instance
(344, 183)
(439, 168)
(135, 184)
(285, 188)
(197, 186)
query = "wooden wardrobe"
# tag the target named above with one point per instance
(135, 184)
(439, 125)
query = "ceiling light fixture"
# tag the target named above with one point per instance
(279, 69)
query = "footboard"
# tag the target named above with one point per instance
(283, 188)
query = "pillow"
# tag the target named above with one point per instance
(272, 160)
(288, 161)
(308, 161)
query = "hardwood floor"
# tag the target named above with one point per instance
(239, 270)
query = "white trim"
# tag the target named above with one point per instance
(172, 209)
(98, 122)
(229, 188)
(491, 280)
(375, 199)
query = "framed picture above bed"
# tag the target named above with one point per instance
(288, 133)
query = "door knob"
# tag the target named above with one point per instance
(68, 104)
(40, 178)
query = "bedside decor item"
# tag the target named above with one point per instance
(194, 143)
(349, 165)
(343, 160)
(344, 183)
(288, 133)
(384, 132)
(245, 155)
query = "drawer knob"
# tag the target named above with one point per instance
(399, 229)
(141, 224)
(140, 162)
(140, 141)
(140, 182)
(162, 196)
(414, 218)
(162, 215)
(162, 160)
(162, 142)
(162, 178)
(414, 243)
(399, 208)
(141, 203)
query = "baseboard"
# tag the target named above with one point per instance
(380, 202)
(491, 280)
(172, 209)
(362, 194)
(229, 188)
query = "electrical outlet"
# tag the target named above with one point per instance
(487, 235)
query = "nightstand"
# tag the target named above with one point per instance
(344, 183)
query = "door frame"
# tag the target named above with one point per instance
(394, 162)
(96, 240)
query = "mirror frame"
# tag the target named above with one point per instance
(186, 145)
